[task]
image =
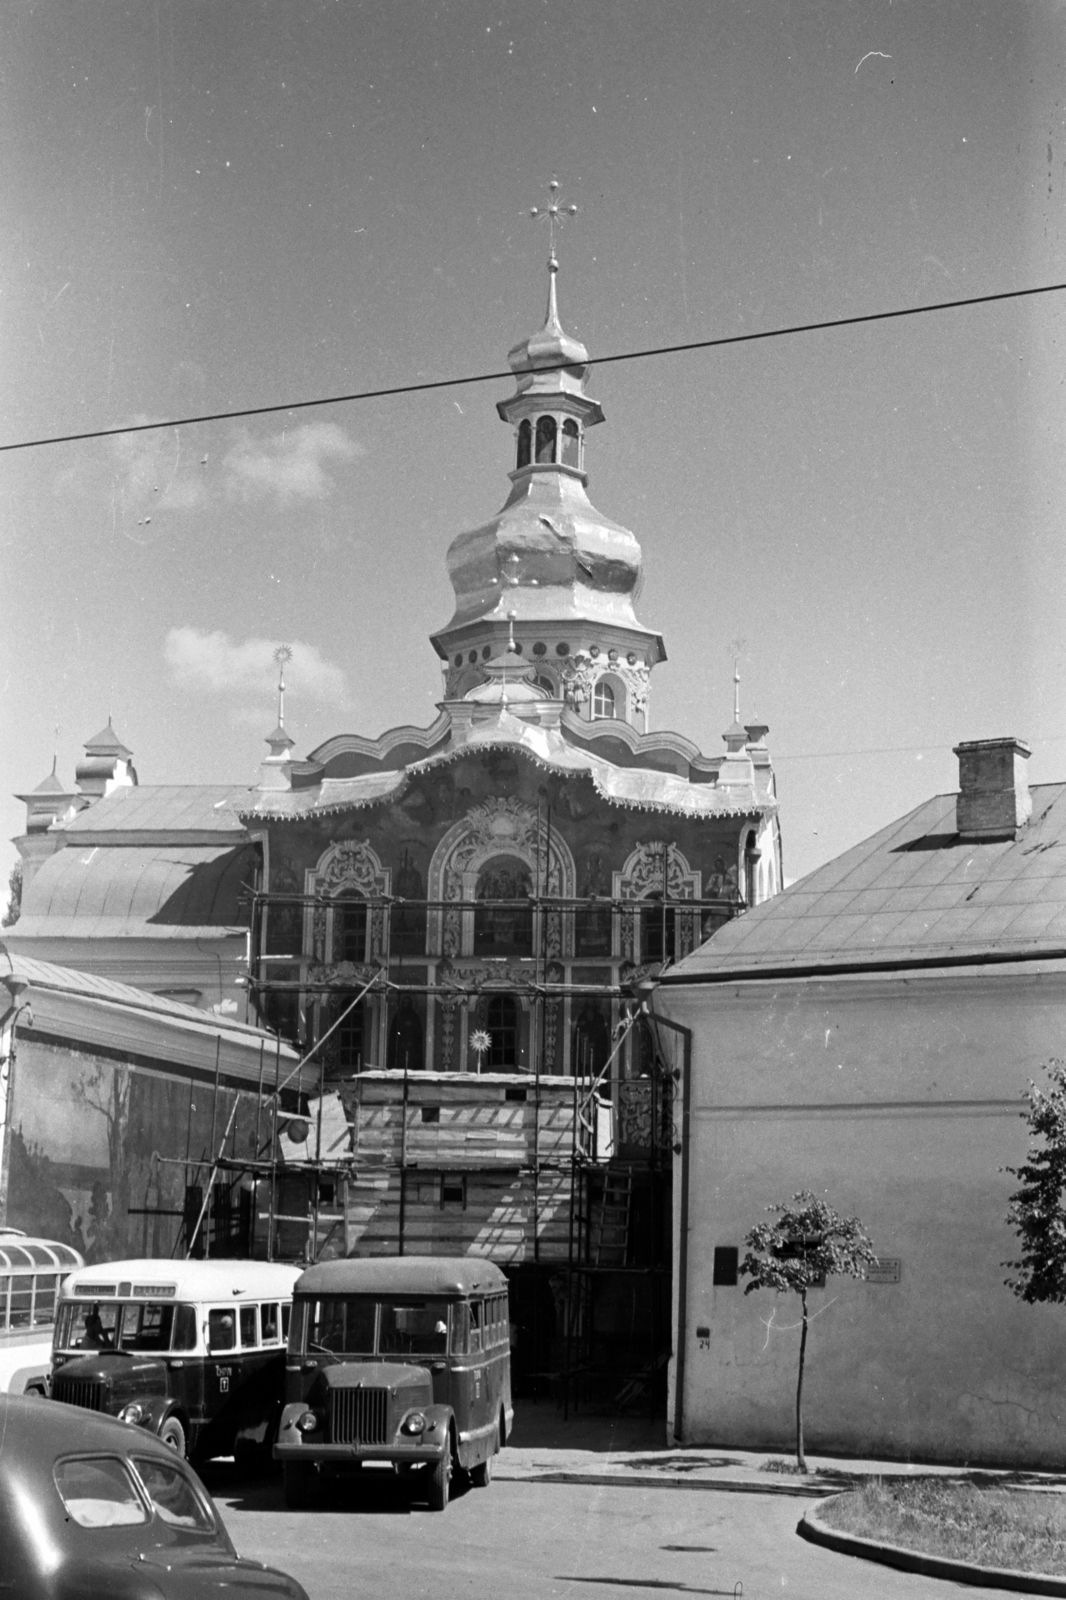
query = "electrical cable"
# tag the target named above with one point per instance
(492, 377)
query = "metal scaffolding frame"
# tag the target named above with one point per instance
(587, 1165)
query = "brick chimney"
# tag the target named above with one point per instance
(994, 800)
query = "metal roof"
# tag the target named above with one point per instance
(403, 1275)
(914, 891)
(144, 891)
(641, 788)
(68, 980)
(164, 808)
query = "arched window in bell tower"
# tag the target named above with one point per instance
(603, 701)
(571, 444)
(525, 438)
(545, 441)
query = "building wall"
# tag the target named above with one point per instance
(897, 1101)
(85, 1133)
(445, 828)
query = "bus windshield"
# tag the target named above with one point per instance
(99, 1325)
(360, 1325)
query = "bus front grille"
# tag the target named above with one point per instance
(84, 1392)
(359, 1416)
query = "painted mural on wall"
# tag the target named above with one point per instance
(95, 1149)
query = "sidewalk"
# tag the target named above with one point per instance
(631, 1452)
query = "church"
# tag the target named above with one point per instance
(450, 921)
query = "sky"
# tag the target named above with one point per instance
(209, 207)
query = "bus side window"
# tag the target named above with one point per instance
(5, 1285)
(249, 1332)
(21, 1301)
(184, 1328)
(44, 1300)
(460, 1330)
(476, 1308)
(269, 1317)
(285, 1311)
(221, 1331)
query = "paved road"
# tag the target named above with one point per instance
(526, 1541)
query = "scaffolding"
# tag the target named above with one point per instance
(617, 1190)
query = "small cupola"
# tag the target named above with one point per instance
(993, 800)
(107, 765)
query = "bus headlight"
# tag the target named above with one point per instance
(133, 1413)
(415, 1423)
(307, 1423)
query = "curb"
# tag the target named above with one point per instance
(649, 1480)
(894, 1555)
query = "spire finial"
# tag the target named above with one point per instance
(512, 648)
(556, 212)
(736, 648)
(281, 655)
(55, 749)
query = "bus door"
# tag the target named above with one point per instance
(470, 1391)
(261, 1372)
(222, 1373)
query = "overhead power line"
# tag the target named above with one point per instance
(492, 377)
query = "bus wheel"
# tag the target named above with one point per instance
(299, 1485)
(440, 1481)
(481, 1475)
(172, 1435)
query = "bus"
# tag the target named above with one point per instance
(31, 1272)
(396, 1362)
(193, 1351)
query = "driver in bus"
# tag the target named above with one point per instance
(96, 1335)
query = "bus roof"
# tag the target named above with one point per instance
(403, 1275)
(189, 1280)
(23, 1252)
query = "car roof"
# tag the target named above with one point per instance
(189, 1280)
(35, 1430)
(403, 1275)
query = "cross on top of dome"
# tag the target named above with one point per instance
(556, 211)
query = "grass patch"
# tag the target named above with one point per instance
(993, 1527)
(780, 1464)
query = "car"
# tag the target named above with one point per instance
(91, 1507)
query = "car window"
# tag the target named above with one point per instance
(248, 1331)
(99, 1493)
(173, 1495)
(221, 1330)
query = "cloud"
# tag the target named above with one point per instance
(169, 471)
(288, 466)
(212, 661)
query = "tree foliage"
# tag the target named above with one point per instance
(1036, 1211)
(14, 898)
(807, 1244)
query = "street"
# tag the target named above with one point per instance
(524, 1541)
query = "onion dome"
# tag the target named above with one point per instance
(568, 574)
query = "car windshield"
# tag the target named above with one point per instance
(362, 1325)
(100, 1325)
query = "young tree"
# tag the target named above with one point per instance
(806, 1245)
(1036, 1212)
